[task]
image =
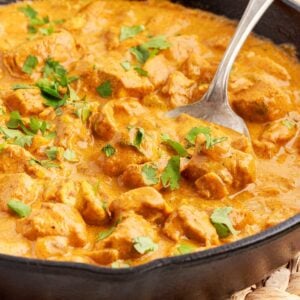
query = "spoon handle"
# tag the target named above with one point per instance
(218, 89)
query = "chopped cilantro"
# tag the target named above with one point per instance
(119, 264)
(141, 54)
(206, 131)
(171, 174)
(130, 32)
(139, 136)
(290, 124)
(21, 86)
(104, 234)
(221, 220)
(108, 150)
(126, 65)
(141, 71)
(28, 11)
(83, 111)
(25, 140)
(144, 244)
(157, 42)
(30, 64)
(19, 208)
(185, 248)
(174, 145)
(150, 174)
(194, 132)
(70, 155)
(52, 153)
(44, 163)
(105, 89)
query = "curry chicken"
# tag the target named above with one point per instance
(91, 169)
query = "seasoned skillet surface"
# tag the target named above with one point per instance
(178, 293)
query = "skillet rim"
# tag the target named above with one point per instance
(217, 253)
(203, 256)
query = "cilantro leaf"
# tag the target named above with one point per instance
(105, 89)
(44, 163)
(138, 139)
(14, 120)
(221, 220)
(185, 248)
(141, 54)
(10, 133)
(119, 264)
(70, 155)
(30, 64)
(157, 42)
(36, 124)
(130, 32)
(25, 140)
(19, 86)
(52, 153)
(83, 112)
(194, 132)
(108, 150)
(289, 124)
(28, 11)
(174, 145)
(105, 233)
(150, 174)
(171, 174)
(19, 208)
(206, 131)
(141, 71)
(49, 87)
(126, 65)
(144, 244)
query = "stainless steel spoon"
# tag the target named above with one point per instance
(214, 105)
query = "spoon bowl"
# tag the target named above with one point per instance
(214, 106)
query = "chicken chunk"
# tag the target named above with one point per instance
(59, 46)
(51, 246)
(62, 191)
(27, 102)
(181, 48)
(124, 83)
(159, 69)
(261, 102)
(114, 116)
(92, 209)
(16, 248)
(70, 132)
(54, 219)
(221, 169)
(274, 136)
(179, 88)
(15, 159)
(122, 238)
(145, 201)
(191, 223)
(18, 186)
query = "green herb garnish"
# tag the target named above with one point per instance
(130, 32)
(30, 64)
(108, 150)
(177, 147)
(105, 89)
(171, 174)
(221, 220)
(144, 244)
(19, 208)
(150, 174)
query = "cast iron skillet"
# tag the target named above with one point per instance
(212, 274)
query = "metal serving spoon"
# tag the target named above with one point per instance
(214, 105)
